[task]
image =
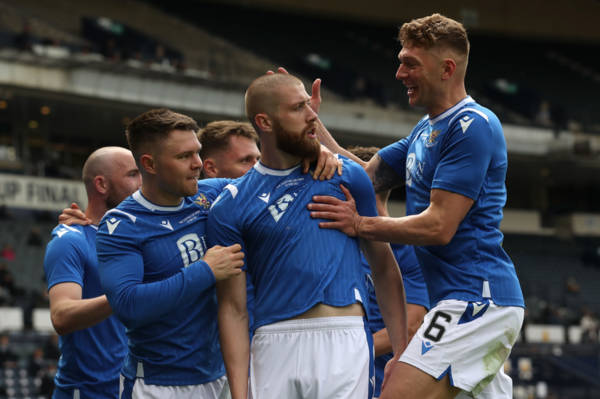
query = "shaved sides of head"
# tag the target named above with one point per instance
(101, 163)
(262, 95)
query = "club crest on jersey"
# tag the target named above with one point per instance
(202, 201)
(432, 137)
(281, 205)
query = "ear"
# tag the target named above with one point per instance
(101, 184)
(263, 122)
(210, 167)
(448, 68)
(148, 164)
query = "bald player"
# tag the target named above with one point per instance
(310, 290)
(92, 342)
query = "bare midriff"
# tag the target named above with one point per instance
(322, 310)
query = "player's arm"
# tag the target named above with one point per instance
(414, 315)
(233, 333)
(69, 312)
(136, 302)
(328, 141)
(389, 291)
(381, 342)
(436, 225)
(382, 175)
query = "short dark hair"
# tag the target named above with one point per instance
(154, 125)
(364, 153)
(215, 135)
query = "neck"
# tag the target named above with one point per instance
(274, 158)
(96, 209)
(447, 100)
(153, 193)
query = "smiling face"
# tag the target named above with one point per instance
(295, 122)
(177, 166)
(421, 72)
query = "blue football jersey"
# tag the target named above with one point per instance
(158, 286)
(292, 263)
(91, 359)
(463, 151)
(414, 289)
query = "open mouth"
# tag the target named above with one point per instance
(312, 132)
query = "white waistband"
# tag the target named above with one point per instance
(314, 323)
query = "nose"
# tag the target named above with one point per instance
(400, 73)
(196, 161)
(311, 115)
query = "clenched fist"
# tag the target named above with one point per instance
(225, 262)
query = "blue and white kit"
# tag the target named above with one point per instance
(292, 263)
(158, 286)
(472, 283)
(463, 151)
(91, 358)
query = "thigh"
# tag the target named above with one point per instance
(467, 341)
(407, 381)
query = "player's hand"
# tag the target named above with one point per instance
(73, 215)
(315, 98)
(225, 262)
(327, 165)
(343, 214)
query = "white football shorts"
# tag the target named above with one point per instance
(316, 358)
(137, 389)
(469, 342)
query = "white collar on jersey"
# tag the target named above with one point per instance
(263, 170)
(153, 207)
(451, 110)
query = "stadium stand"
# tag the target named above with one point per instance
(559, 268)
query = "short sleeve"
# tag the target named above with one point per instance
(223, 227)
(64, 260)
(357, 181)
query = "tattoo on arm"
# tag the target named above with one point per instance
(384, 178)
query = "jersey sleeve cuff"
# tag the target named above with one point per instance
(199, 275)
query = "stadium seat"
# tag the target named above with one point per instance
(11, 319)
(41, 320)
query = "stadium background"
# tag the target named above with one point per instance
(73, 73)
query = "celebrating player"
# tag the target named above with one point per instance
(155, 267)
(454, 163)
(310, 339)
(92, 342)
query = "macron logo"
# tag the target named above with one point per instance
(166, 224)
(425, 347)
(477, 307)
(264, 197)
(465, 122)
(112, 224)
(61, 232)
